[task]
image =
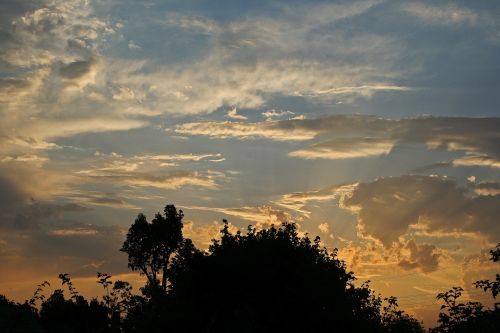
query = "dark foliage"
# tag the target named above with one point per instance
(459, 317)
(271, 280)
(17, 317)
(265, 281)
(150, 245)
(73, 315)
(76, 314)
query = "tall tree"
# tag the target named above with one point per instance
(271, 280)
(151, 245)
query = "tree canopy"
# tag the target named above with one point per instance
(270, 280)
(150, 245)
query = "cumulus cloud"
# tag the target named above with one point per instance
(323, 227)
(203, 234)
(478, 266)
(387, 207)
(422, 256)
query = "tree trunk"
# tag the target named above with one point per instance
(164, 274)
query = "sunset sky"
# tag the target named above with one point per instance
(373, 124)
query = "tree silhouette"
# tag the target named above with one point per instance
(397, 321)
(150, 245)
(270, 280)
(493, 286)
(459, 317)
(76, 314)
(17, 318)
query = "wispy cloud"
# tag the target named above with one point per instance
(344, 136)
(260, 216)
(298, 201)
(233, 114)
(449, 13)
(345, 148)
(241, 130)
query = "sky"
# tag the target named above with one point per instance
(373, 124)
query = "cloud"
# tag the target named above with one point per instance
(387, 207)
(54, 71)
(149, 171)
(363, 90)
(345, 148)
(477, 160)
(31, 214)
(25, 185)
(180, 157)
(422, 256)
(240, 62)
(203, 234)
(221, 130)
(25, 158)
(478, 266)
(191, 22)
(353, 136)
(260, 217)
(73, 247)
(79, 73)
(298, 201)
(487, 188)
(233, 114)
(475, 136)
(323, 227)
(170, 180)
(442, 15)
(78, 231)
(112, 200)
(133, 46)
(274, 114)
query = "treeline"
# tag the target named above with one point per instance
(270, 280)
